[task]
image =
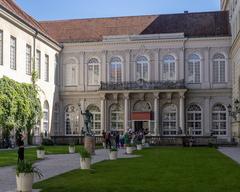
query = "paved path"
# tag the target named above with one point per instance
(53, 165)
(232, 152)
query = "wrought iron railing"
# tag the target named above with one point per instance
(142, 85)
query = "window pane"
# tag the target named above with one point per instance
(28, 60)
(13, 53)
(46, 74)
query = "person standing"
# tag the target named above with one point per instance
(20, 143)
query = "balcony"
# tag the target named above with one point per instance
(142, 85)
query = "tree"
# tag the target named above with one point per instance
(20, 106)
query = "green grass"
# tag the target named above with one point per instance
(9, 157)
(158, 169)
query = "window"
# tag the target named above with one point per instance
(117, 118)
(219, 64)
(1, 47)
(142, 68)
(115, 70)
(56, 119)
(56, 76)
(93, 72)
(194, 69)
(46, 74)
(194, 120)
(71, 121)
(28, 60)
(96, 124)
(219, 120)
(46, 119)
(38, 64)
(170, 120)
(169, 68)
(13, 53)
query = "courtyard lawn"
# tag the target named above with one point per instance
(158, 169)
(9, 157)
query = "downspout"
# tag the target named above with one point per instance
(34, 49)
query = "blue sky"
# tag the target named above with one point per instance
(71, 9)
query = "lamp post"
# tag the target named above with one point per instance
(235, 109)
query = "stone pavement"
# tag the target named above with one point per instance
(232, 152)
(53, 165)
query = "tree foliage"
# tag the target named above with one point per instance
(20, 106)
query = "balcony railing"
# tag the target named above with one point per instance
(142, 85)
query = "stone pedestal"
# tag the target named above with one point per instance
(89, 144)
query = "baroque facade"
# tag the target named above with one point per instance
(168, 74)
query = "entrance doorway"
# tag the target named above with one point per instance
(141, 126)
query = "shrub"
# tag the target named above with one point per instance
(113, 149)
(84, 153)
(28, 167)
(40, 147)
(47, 142)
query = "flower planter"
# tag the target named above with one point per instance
(104, 145)
(40, 154)
(85, 163)
(113, 155)
(24, 181)
(139, 147)
(146, 145)
(71, 149)
(129, 150)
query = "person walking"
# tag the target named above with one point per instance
(117, 139)
(108, 140)
(20, 143)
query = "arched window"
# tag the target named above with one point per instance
(71, 121)
(46, 119)
(142, 68)
(170, 120)
(219, 66)
(219, 120)
(93, 72)
(96, 124)
(194, 120)
(141, 106)
(169, 68)
(117, 118)
(115, 70)
(194, 69)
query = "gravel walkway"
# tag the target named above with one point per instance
(232, 152)
(53, 165)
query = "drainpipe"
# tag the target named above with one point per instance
(34, 49)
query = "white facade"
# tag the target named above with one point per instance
(26, 42)
(233, 6)
(194, 60)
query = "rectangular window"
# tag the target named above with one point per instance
(13, 55)
(38, 64)
(46, 74)
(1, 47)
(28, 60)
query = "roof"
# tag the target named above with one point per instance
(203, 24)
(14, 9)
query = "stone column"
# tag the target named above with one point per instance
(156, 114)
(103, 104)
(181, 112)
(126, 111)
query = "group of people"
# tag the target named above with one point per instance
(119, 140)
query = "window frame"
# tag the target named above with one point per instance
(167, 65)
(115, 63)
(194, 120)
(1, 47)
(46, 72)
(91, 80)
(217, 61)
(13, 49)
(194, 62)
(141, 63)
(28, 59)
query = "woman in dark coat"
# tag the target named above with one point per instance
(20, 143)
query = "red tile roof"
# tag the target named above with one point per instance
(205, 24)
(11, 7)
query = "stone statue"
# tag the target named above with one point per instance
(88, 119)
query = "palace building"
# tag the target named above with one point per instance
(170, 74)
